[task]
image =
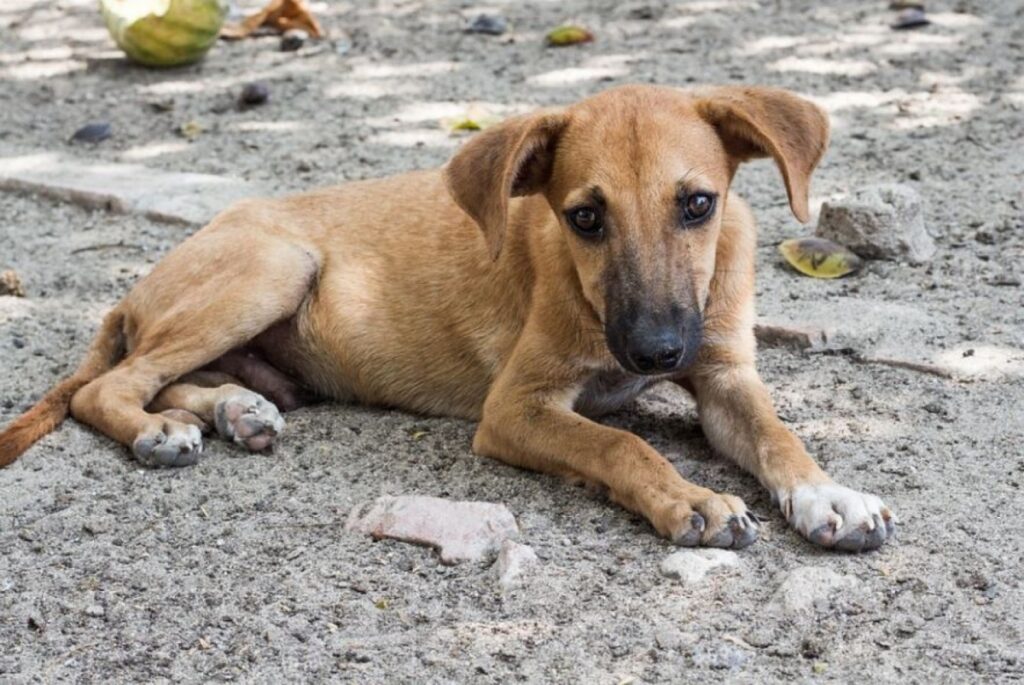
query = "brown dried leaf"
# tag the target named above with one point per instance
(10, 284)
(280, 15)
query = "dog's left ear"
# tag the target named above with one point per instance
(762, 122)
(508, 160)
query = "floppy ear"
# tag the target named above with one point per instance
(762, 122)
(508, 160)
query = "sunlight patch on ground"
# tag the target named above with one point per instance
(850, 99)
(374, 71)
(151, 150)
(370, 90)
(812, 65)
(714, 5)
(27, 71)
(983, 361)
(769, 43)
(593, 69)
(271, 126)
(416, 137)
(956, 20)
(935, 108)
(916, 43)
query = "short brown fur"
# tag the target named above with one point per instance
(463, 292)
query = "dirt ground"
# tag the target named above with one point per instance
(239, 568)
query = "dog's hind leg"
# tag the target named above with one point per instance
(214, 293)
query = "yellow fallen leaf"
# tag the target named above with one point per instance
(473, 119)
(819, 258)
(568, 34)
(190, 129)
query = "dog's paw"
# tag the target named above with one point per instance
(718, 521)
(837, 517)
(249, 420)
(177, 444)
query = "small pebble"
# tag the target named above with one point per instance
(491, 24)
(95, 610)
(255, 93)
(36, 623)
(93, 133)
(910, 18)
(293, 39)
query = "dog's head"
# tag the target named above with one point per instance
(638, 177)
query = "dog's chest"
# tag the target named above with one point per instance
(608, 391)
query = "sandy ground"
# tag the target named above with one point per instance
(238, 568)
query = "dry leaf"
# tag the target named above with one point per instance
(190, 129)
(819, 258)
(568, 35)
(473, 119)
(280, 15)
(10, 284)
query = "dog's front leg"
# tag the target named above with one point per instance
(529, 423)
(740, 422)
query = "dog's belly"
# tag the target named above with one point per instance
(609, 391)
(360, 351)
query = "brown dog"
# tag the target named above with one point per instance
(623, 261)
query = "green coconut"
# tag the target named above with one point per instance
(164, 33)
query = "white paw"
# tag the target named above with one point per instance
(178, 444)
(833, 516)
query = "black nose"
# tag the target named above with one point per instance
(657, 355)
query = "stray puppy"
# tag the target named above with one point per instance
(559, 265)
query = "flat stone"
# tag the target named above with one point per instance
(514, 561)
(460, 531)
(811, 588)
(670, 638)
(789, 335)
(691, 565)
(881, 221)
(167, 196)
(880, 332)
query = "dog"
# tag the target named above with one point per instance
(561, 263)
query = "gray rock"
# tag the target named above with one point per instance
(670, 638)
(168, 196)
(491, 24)
(879, 222)
(460, 531)
(811, 588)
(691, 565)
(514, 560)
(95, 610)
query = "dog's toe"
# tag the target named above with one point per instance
(729, 525)
(176, 445)
(249, 420)
(689, 534)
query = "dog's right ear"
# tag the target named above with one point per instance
(511, 159)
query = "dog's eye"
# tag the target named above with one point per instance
(697, 207)
(586, 221)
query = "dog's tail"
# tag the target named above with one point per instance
(48, 413)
